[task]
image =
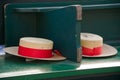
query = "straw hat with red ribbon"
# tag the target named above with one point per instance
(35, 48)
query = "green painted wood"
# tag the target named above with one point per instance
(101, 6)
(13, 67)
(85, 7)
(95, 17)
(53, 26)
(92, 22)
(86, 3)
(58, 24)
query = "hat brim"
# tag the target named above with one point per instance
(107, 51)
(14, 51)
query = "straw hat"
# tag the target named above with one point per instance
(35, 48)
(92, 46)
